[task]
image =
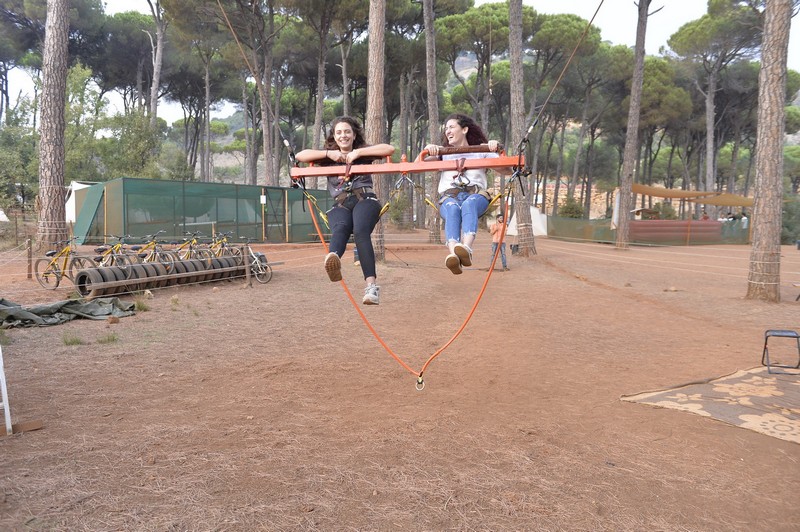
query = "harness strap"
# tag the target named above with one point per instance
(460, 163)
(359, 193)
(473, 189)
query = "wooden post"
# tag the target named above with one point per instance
(30, 258)
(248, 278)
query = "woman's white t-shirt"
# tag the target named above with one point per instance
(470, 177)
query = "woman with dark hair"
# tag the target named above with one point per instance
(462, 194)
(357, 208)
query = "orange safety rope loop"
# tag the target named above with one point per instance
(358, 309)
(475, 304)
(420, 383)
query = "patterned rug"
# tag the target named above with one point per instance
(754, 399)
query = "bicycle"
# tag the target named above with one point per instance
(152, 251)
(114, 255)
(259, 266)
(57, 264)
(190, 249)
(220, 247)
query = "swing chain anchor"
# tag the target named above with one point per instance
(420, 383)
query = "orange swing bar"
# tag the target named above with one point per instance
(417, 166)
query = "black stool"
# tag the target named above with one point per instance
(780, 333)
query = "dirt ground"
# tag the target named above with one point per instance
(273, 407)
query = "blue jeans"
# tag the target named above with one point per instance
(461, 214)
(502, 253)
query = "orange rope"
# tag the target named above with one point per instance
(355, 304)
(477, 299)
(418, 374)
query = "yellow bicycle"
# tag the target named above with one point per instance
(115, 255)
(153, 251)
(220, 247)
(60, 263)
(191, 248)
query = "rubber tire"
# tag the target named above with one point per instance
(84, 281)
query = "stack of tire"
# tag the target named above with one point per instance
(148, 276)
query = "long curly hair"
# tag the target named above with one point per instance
(358, 133)
(475, 134)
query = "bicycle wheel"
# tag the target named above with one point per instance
(165, 259)
(77, 264)
(262, 271)
(236, 253)
(204, 255)
(123, 262)
(48, 273)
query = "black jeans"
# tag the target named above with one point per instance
(357, 218)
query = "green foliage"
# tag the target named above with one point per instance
(665, 211)
(570, 209)
(398, 208)
(19, 158)
(790, 230)
(84, 111)
(791, 167)
(173, 163)
(132, 149)
(228, 174)
(792, 120)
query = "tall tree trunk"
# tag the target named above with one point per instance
(406, 89)
(158, 57)
(248, 146)
(522, 201)
(764, 278)
(52, 213)
(277, 151)
(559, 164)
(206, 169)
(345, 47)
(374, 127)
(573, 182)
(434, 233)
(323, 31)
(630, 154)
(710, 118)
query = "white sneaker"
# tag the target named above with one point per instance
(453, 263)
(464, 254)
(372, 295)
(333, 266)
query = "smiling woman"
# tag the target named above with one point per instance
(462, 193)
(357, 208)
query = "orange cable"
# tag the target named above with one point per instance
(475, 304)
(355, 304)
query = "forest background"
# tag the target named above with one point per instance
(314, 53)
